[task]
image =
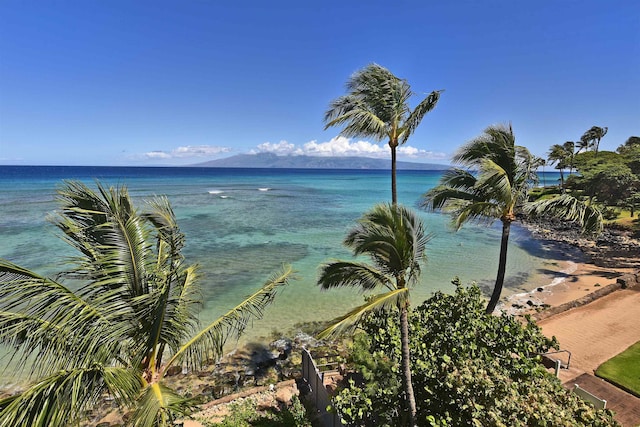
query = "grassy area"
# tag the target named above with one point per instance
(626, 220)
(623, 369)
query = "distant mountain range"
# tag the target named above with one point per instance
(270, 160)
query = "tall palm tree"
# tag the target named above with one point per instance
(377, 106)
(131, 301)
(593, 136)
(394, 239)
(495, 187)
(537, 163)
(559, 155)
(570, 149)
(583, 144)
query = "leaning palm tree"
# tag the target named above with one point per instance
(559, 155)
(570, 149)
(497, 184)
(593, 136)
(394, 239)
(377, 106)
(113, 322)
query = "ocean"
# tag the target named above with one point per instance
(243, 224)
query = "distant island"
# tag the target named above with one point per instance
(270, 160)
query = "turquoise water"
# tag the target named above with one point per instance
(243, 224)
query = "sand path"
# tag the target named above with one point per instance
(594, 333)
(597, 331)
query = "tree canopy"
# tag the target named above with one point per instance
(494, 186)
(469, 369)
(377, 106)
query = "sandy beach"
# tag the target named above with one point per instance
(592, 310)
(574, 282)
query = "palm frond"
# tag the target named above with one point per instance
(60, 399)
(42, 317)
(376, 303)
(418, 113)
(496, 143)
(111, 236)
(479, 212)
(376, 106)
(353, 275)
(158, 406)
(496, 183)
(393, 237)
(568, 207)
(210, 340)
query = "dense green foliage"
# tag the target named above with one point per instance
(247, 414)
(623, 369)
(132, 305)
(469, 369)
(604, 179)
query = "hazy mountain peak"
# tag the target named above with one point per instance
(271, 160)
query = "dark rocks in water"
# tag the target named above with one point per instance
(530, 303)
(540, 289)
(614, 247)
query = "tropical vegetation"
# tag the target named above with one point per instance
(377, 106)
(562, 156)
(606, 181)
(394, 239)
(116, 319)
(591, 138)
(494, 186)
(469, 369)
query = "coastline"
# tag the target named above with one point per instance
(613, 257)
(576, 282)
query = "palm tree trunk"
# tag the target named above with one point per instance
(406, 365)
(502, 266)
(394, 194)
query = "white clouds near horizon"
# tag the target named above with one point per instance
(341, 146)
(338, 146)
(185, 152)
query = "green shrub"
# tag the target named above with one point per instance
(468, 368)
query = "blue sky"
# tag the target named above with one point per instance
(179, 82)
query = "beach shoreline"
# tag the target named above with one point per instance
(613, 256)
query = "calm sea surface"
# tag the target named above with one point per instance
(243, 224)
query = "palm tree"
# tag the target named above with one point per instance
(570, 148)
(583, 144)
(131, 301)
(394, 239)
(537, 163)
(376, 106)
(495, 188)
(559, 155)
(593, 136)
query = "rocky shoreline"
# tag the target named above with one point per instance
(613, 248)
